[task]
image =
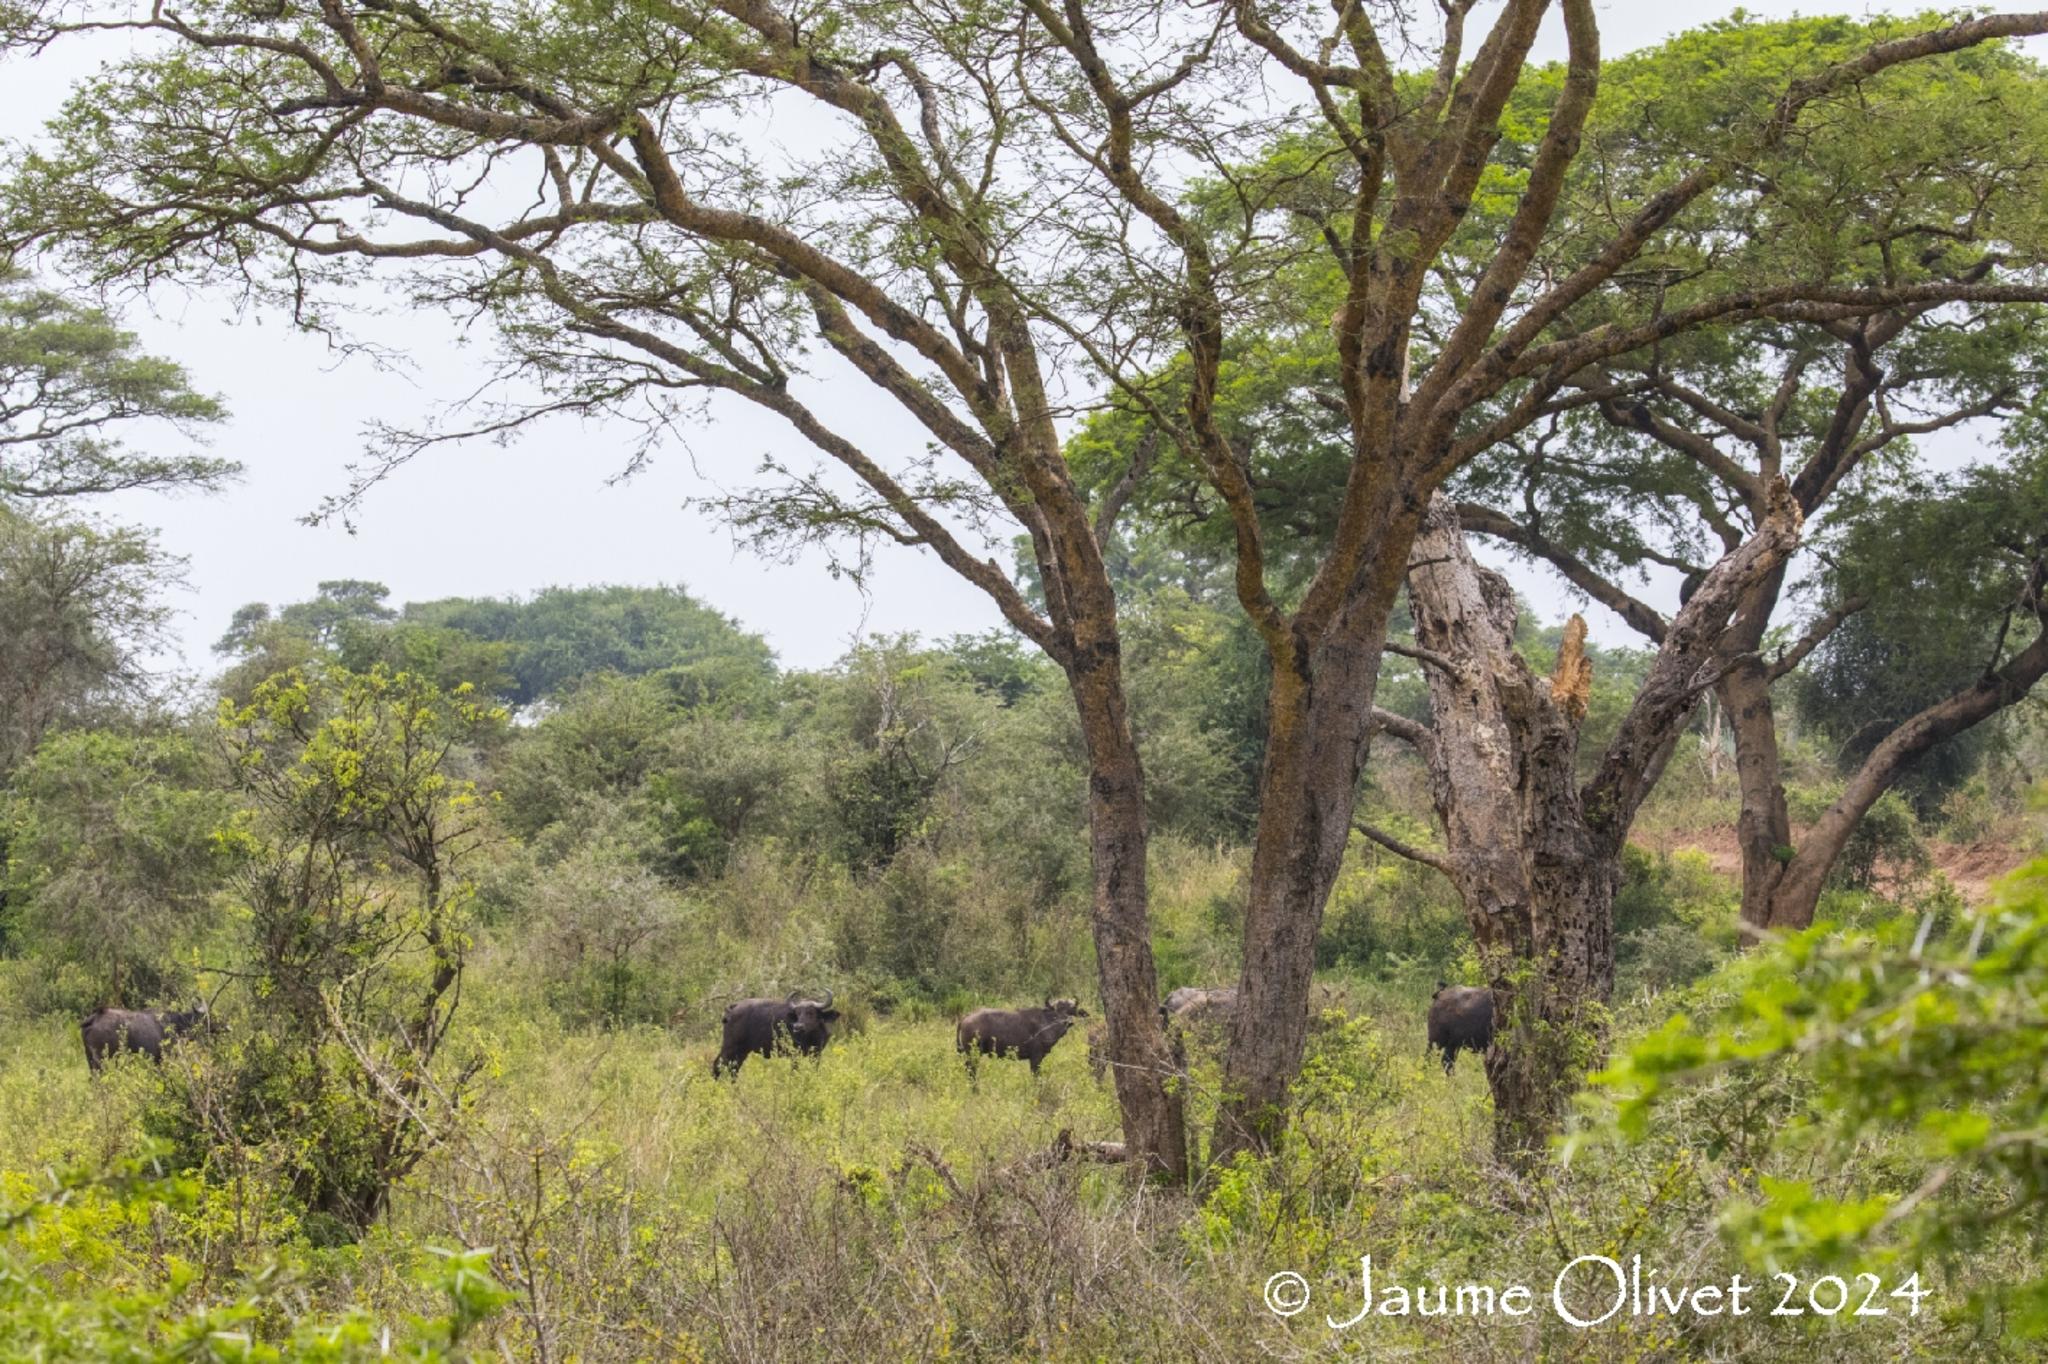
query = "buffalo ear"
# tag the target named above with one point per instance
(828, 1014)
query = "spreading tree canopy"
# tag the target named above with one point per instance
(71, 381)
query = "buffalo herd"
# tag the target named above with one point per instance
(1461, 1018)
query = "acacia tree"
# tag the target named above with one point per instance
(1671, 462)
(70, 381)
(1701, 446)
(995, 203)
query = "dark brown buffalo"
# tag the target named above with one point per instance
(1195, 1006)
(1460, 1019)
(758, 1027)
(1026, 1033)
(109, 1031)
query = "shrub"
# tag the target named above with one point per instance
(1903, 1029)
(1386, 909)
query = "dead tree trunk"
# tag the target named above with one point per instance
(1536, 889)
(1536, 856)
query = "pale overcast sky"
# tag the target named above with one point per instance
(491, 521)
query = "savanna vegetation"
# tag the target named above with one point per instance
(1257, 343)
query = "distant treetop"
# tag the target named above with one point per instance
(522, 650)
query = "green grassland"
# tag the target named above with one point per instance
(873, 1204)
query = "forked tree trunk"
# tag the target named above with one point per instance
(1536, 857)
(1795, 894)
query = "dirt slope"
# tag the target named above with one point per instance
(1971, 868)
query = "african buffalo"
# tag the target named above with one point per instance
(1026, 1033)
(1460, 1019)
(108, 1031)
(1192, 1005)
(756, 1027)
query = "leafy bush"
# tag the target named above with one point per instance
(115, 849)
(1902, 1028)
(601, 926)
(77, 1283)
(1387, 912)
(1885, 846)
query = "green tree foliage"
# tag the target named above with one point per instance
(523, 651)
(117, 844)
(563, 634)
(338, 609)
(71, 381)
(599, 742)
(904, 723)
(356, 887)
(80, 609)
(1823, 1043)
(1950, 565)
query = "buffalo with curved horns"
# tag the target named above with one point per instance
(1027, 1034)
(758, 1027)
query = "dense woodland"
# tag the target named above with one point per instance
(1268, 365)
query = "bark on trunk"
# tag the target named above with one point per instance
(1763, 829)
(1154, 1123)
(1537, 885)
(1320, 715)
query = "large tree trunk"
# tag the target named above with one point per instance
(1537, 886)
(1796, 894)
(1320, 718)
(1155, 1126)
(1763, 828)
(1147, 1080)
(1535, 856)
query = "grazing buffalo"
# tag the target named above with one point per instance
(1194, 1006)
(756, 1027)
(1026, 1033)
(108, 1031)
(1460, 1019)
